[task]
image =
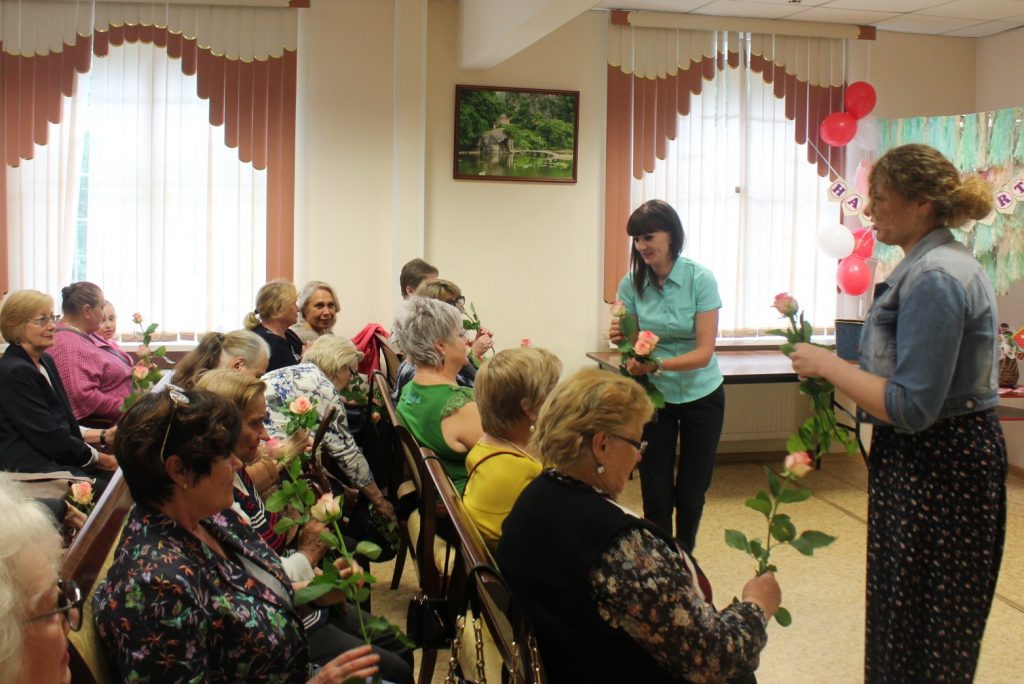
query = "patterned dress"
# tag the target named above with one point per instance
(170, 610)
(936, 523)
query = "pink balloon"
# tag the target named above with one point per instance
(838, 128)
(860, 99)
(861, 177)
(863, 242)
(853, 275)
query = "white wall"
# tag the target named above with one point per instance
(1000, 80)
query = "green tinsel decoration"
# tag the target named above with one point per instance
(1000, 141)
(967, 159)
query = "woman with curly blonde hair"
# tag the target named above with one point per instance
(927, 380)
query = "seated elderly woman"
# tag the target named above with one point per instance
(449, 293)
(510, 389)
(328, 632)
(326, 369)
(37, 609)
(240, 350)
(96, 380)
(38, 432)
(318, 309)
(440, 414)
(615, 598)
(276, 311)
(193, 593)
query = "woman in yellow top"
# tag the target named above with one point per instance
(510, 388)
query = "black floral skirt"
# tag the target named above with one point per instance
(936, 524)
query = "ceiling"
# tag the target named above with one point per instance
(969, 18)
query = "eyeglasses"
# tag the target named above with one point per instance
(44, 321)
(69, 601)
(179, 398)
(640, 447)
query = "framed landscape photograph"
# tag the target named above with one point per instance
(519, 134)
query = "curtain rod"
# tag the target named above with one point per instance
(697, 22)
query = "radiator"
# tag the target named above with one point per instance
(762, 412)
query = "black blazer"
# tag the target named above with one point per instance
(38, 432)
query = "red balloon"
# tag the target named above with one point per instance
(860, 99)
(863, 242)
(838, 128)
(853, 275)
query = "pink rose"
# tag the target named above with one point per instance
(143, 350)
(300, 406)
(525, 342)
(81, 492)
(140, 371)
(785, 304)
(618, 309)
(137, 318)
(327, 509)
(375, 416)
(648, 337)
(799, 463)
(642, 348)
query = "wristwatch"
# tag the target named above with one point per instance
(103, 438)
(659, 367)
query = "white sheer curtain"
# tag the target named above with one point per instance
(172, 224)
(750, 202)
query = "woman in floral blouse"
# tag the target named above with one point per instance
(615, 598)
(194, 594)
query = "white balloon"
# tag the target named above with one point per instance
(836, 241)
(867, 134)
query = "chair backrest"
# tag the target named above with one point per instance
(86, 562)
(479, 578)
(391, 359)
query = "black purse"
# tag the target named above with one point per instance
(425, 622)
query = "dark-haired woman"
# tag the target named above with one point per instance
(193, 593)
(96, 378)
(676, 299)
(937, 470)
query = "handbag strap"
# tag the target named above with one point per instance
(488, 456)
(460, 622)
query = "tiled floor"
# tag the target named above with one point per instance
(825, 593)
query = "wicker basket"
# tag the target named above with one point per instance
(1008, 372)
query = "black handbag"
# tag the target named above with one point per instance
(425, 623)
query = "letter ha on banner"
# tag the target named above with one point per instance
(853, 205)
(838, 190)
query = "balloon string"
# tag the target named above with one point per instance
(825, 157)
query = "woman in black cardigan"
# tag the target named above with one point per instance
(38, 432)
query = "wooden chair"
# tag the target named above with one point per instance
(391, 358)
(476, 575)
(86, 562)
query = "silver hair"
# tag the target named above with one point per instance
(246, 344)
(332, 354)
(27, 526)
(421, 324)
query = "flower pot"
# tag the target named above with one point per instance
(1008, 372)
(848, 339)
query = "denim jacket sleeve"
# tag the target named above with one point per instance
(929, 327)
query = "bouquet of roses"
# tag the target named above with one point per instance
(780, 529)
(144, 373)
(641, 348)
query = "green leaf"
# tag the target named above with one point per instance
(777, 331)
(737, 540)
(361, 594)
(376, 626)
(368, 549)
(327, 537)
(773, 481)
(797, 495)
(782, 529)
(783, 617)
(817, 539)
(786, 348)
(284, 523)
(628, 324)
(757, 550)
(805, 329)
(160, 351)
(277, 501)
(795, 444)
(151, 328)
(761, 505)
(311, 592)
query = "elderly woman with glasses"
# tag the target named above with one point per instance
(38, 430)
(616, 598)
(326, 369)
(37, 609)
(194, 594)
(440, 414)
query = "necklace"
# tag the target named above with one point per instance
(512, 444)
(73, 327)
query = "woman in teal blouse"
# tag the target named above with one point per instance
(676, 299)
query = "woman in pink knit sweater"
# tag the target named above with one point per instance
(96, 378)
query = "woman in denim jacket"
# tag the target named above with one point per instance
(937, 470)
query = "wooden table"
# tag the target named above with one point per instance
(1009, 413)
(738, 367)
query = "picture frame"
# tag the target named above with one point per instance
(516, 134)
